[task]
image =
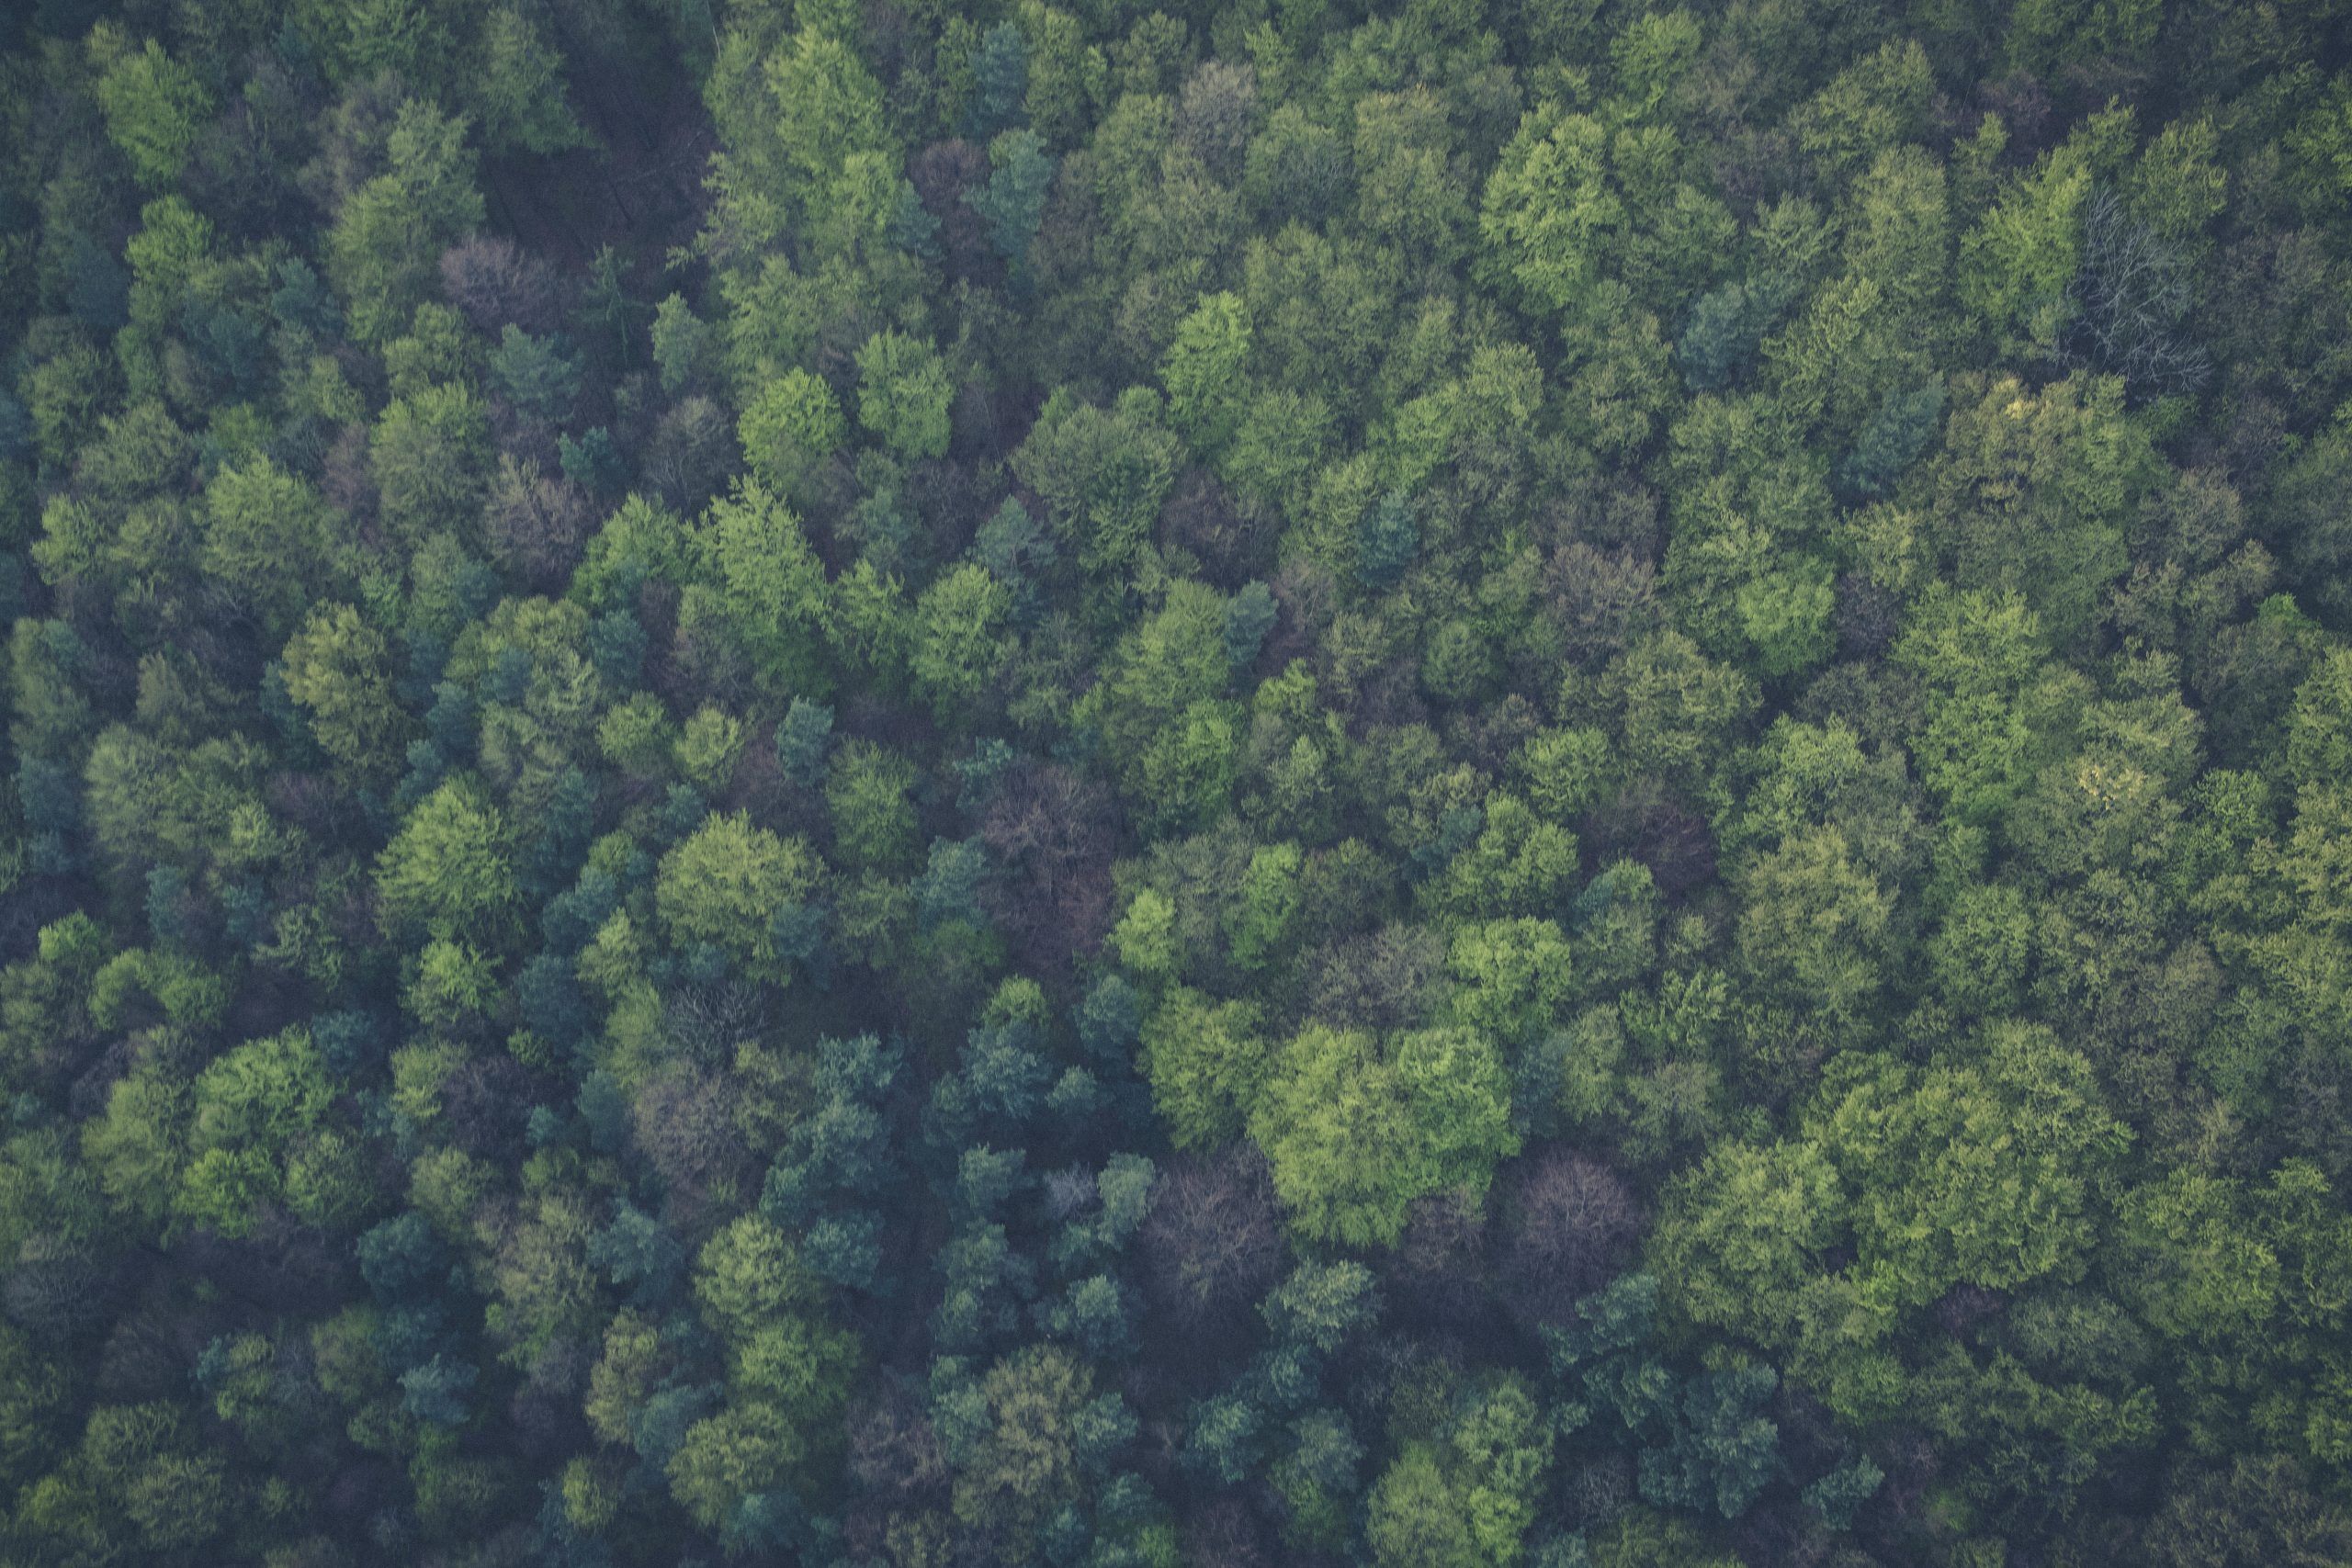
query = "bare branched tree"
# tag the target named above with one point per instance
(2130, 300)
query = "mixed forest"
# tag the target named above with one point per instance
(1176, 783)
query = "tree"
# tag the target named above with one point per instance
(1987, 1175)
(722, 1461)
(1569, 1220)
(448, 868)
(2033, 491)
(903, 392)
(2254, 1510)
(1212, 1242)
(1726, 329)
(827, 106)
(1891, 439)
(1878, 102)
(430, 455)
(1814, 933)
(384, 248)
(1469, 1497)
(1679, 708)
(250, 1104)
(866, 792)
(999, 79)
(1977, 653)
(1035, 1408)
(1549, 212)
(746, 1275)
(1013, 203)
(337, 670)
(155, 107)
(1388, 539)
(1406, 193)
(495, 284)
(1207, 1063)
(804, 739)
(1205, 369)
(708, 747)
(1518, 866)
(724, 884)
(1355, 1133)
(1512, 977)
(270, 545)
(771, 587)
(1102, 474)
(150, 1472)
(2017, 262)
(961, 639)
(1416, 1518)
(536, 375)
(517, 81)
(138, 1148)
(1259, 925)
(789, 429)
(2196, 1269)
(1740, 1238)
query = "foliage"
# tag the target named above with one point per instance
(1105, 785)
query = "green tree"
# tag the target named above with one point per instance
(727, 1459)
(518, 83)
(431, 458)
(450, 868)
(903, 391)
(1261, 921)
(749, 1274)
(140, 1146)
(1469, 1497)
(1207, 1063)
(1416, 1518)
(1741, 1238)
(1511, 976)
(1102, 475)
(1814, 933)
(1013, 203)
(155, 105)
(384, 251)
(1034, 1408)
(2195, 1265)
(1977, 655)
(253, 1107)
(271, 542)
(2034, 491)
(1407, 193)
(771, 587)
(1550, 213)
(961, 639)
(789, 429)
(536, 375)
(1206, 372)
(1987, 1174)
(827, 105)
(2018, 262)
(1518, 866)
(725, 887)
(337, 671)
(1355, 1133)
(867, 791)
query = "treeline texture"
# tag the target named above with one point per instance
(886, 784)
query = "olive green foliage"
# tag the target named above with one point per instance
(1356, 1130)
(1424, 784)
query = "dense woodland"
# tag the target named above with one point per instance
(885, 783)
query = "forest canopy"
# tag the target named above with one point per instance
(1176, 783)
